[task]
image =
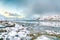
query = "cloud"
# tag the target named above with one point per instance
(42, 7)
(10, 15)
(30, 9)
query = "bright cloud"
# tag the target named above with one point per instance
(7, 14)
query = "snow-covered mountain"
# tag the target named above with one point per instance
(52, 17)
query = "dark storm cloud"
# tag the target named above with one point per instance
(42, 6)
(31, 8)
(36, 6)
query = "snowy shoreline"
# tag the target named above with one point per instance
(20, 32)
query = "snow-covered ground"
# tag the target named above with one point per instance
(20, 32)
(45, 37)
(16, 33)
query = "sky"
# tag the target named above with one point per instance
(28, 9)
